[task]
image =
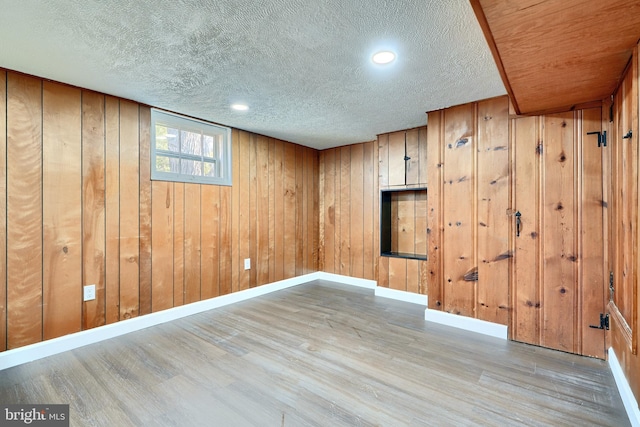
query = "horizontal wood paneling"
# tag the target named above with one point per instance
(89, 214)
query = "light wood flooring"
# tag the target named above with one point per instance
(319, 354)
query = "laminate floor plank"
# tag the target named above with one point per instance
(319, 354)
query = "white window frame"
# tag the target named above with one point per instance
(221, 159)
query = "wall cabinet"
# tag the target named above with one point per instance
(403, 157)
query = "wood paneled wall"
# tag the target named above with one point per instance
(350, 211)
(624, 224)
(81, 209)
(468, 203)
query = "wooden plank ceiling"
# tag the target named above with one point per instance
(556, 54)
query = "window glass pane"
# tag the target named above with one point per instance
(171, 137)
(209, 169)
(207, 142)
(167, 164)
(191, 142)
(191, 167)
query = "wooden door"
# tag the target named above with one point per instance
(557, 286)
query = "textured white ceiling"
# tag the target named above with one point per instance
(303, 66)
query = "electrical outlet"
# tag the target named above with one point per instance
(247, 263)
(89, 292)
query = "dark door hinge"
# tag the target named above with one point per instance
(604, 322)
(602, 138)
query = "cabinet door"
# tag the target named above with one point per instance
(396, 158)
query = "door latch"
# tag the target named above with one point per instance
(604, 322)
(602, 138)
(518, 223)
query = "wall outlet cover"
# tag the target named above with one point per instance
(89, 292)
(247, 263)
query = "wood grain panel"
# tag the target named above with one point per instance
(420, 223)
(192, 242)
(398, 273)
(299, 209)
(210, 247)
(526, 295)
(356, 215)
(178, 244)
(112, 209)
(435, 229)
(458, 209)
(397, 164)
(235, 212)
(253, 211)
(62, 249)
(383, 160)
(328, 232)
(412, 144)
(369, 200)
(424, 167)
(262, 211)
(129, 210)
(592, 295)
(413, 276)
(244, 219)
(272, 210)
(337, 211)
(3, 211)
(225, 252)
(404, 221)
(162, 241)
(93, 206)
(345, 210)
(280, 197)
(145, 210)
(493, 222)
(24, 210)
(559, 251)
(289, 216)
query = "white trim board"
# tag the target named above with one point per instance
(629, 401)
(402, 296)
(346, 280)
(467, 323)
(43, 349)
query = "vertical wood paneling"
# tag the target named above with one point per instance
(93, 206)
(526, 296)
(244, 223)
(559, 251)
(369, 200)
(412, 143)
(178, 244)
(435, 229)
(329, 163)
(112, 209)
(337, 212)
(423, 156)
(3, 211)
(356, 215)
(396, 158)
(383, 160)
(289, 216)
(280, 197)
(236, 264)
(262, 211)
(24, 210)
(345, 210)
(413, 276)
(398, 273)
(420, 224)
(404, 221)
(253, 211)
(192, 249)
(272, 210)
(226, 231)
(162, 245)
(458, 208)
(145, 210)
(210, 229)
(61, 209)
(129, 210)
(591, 258)
(299, 209)
(493, 222)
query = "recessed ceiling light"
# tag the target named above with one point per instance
(240, 107)
(383, 57)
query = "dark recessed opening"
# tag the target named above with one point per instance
(403, 223)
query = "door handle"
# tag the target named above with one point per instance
(518, 223)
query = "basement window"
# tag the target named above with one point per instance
(189, 150)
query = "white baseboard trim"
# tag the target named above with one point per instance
(43, 349)
(467, 323)
(628, 399)
(402, 296)
(346, 280)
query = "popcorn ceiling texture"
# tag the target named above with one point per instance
(302, 66)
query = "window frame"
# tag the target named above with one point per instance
(183, 123)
